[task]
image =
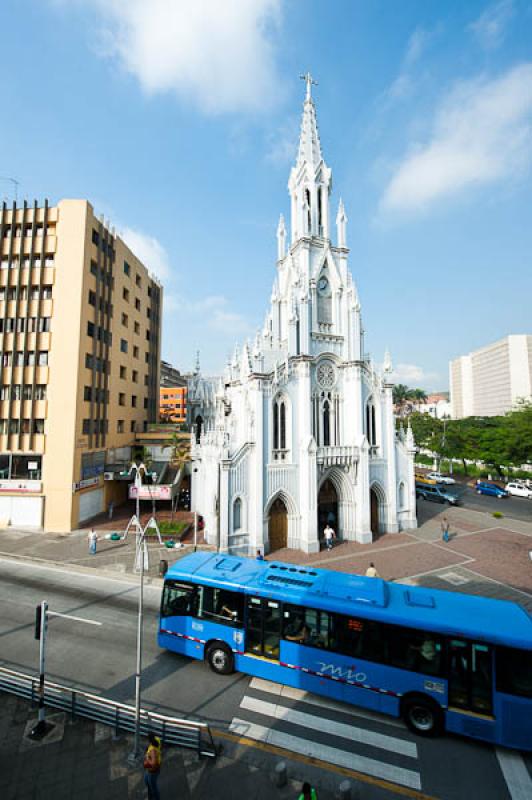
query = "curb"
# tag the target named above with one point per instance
(68, 567)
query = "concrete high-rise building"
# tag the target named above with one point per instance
(80, 333)
(490, 381)
(172, 395)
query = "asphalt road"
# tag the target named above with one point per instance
(101, 660)
(513, 507)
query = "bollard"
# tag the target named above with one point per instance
(344, 791)
(280, 774)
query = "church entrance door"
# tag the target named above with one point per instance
(278, 526)
(327, 508)
(374, 500)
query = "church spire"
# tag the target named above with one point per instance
(309, 139)
(310, 179)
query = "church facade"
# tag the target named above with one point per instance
(300, 430)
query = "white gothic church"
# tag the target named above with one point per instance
(300, 431)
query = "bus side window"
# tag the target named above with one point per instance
(222, 606)
(514, 671)
(179, 599)
(346, 635)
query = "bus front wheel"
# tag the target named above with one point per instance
(422, 715)
(220, 659)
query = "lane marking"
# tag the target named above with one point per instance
(515, 774)
(378, 769)
(345, 772)
(327, 725)
(314, 700)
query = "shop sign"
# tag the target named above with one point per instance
(150, 492)
(21, 487)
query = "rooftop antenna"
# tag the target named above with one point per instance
(14, 182)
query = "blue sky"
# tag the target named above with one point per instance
(179, 121)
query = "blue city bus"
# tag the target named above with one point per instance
(441, 660)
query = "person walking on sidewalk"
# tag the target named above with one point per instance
(445, 529)
(308, 792)
(152, 766)
(328, 534)
(93, 541)
(371, 571)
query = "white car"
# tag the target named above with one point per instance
(437, 476)
(518, 489)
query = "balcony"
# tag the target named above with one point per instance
(337, 456)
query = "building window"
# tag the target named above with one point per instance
(125, 294)
(134, 400)
(121, 399)
(87, 394)
(95, 237)
(120, 426)
(30, 358)
(86, 427)
(145, 402)
(147, 358)
(135, 376)
(280, 437)
(123, 373)
(133, 426)
(92, 298)
(137, 303)
(90, 328)
(137, 327)
(19, 358)
(148, 337)
(43, 358)
(237, 514)
(135, 352)
(38, 426)
(123, 346)
(46, 292)
(14, 426)
(326, 424)
(44, 324)
(26, 426)
(148, 312)
(40, 391)
(4, 392)
(371, 430)
(138, 282)
(26, 392)
(127, 268)
(124, 319)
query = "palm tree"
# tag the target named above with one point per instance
(179, 447)
(418, 396)
(401, 395)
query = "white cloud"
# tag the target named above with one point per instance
(218, 54)
(282, 143)
(481, 133)
(405, 82)
(413, 376)
(148, 250)
(490, 28)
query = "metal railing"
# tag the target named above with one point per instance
(181, 732)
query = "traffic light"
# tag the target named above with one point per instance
(38, 621)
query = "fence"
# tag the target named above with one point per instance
(183, 733)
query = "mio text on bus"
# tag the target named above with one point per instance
(441, 660)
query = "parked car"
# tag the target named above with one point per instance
(421, 478)
(437, 494)
(490, 489)
(439, 478)
(518, 489)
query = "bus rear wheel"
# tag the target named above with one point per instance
(220, 659)
(422, 715)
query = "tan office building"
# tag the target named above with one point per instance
(80, 334)
(489, 381)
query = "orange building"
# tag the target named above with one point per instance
(173, 404)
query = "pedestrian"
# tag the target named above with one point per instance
(371, 571)
(93, 540)
(445, 529)
(308, 792)
(152, 766)
(328, 535)
(259, 556)
(111, 510)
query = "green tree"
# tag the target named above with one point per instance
(179, 446)
(418, 397)
(401, 396)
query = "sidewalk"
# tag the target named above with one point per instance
(81, 759)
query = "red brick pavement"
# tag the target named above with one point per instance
(500, 554)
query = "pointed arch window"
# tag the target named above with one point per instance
(280, 428)
(237, 514)
(326, 424)
(371, 428)
(320, 211)
(199, 427)
(309, 213)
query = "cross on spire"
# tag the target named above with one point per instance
(309, 80)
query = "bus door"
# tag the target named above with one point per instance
(470, 677)
(263, 627)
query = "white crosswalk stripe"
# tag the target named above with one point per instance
(515, 774)
(296, 723)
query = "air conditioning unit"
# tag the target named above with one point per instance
(108, 476)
